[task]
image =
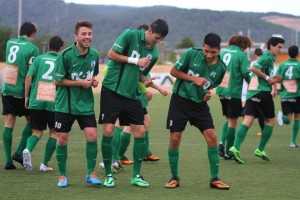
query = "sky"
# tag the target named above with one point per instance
(262, 6)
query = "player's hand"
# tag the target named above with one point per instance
(95, 83)
(200, 81)
(277, 78)
(163, 92)
(26, 102)
(207, 96)
(148, 82)
(149, 95)
(86, 83)
(144, 62)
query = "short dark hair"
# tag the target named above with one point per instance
(55, 43)
(213, 40)
(27, 28)
(274, 41)
(160, 26)
(82, 23)
(258, 52)
(143, 26)
(293, 51)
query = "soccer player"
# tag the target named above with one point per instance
(145, 96)
(259, 99)
(230, 90)
(40, 99)
(196, 73)
(290, 93)
(20, 53)
(75, 71)
(131, 58)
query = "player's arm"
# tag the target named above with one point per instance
(160, 89)
(199, 81)
(270, 80)
(85, 83)
(117, 57)
(28, 81)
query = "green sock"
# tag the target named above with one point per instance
(107, 153)
(173, 161)
(138, 155)
(125, 140)
(27, 131)
(230, 138)
(91, 151)
(286, 119)
(115, 144)
(214, 161)
(223, 133)
(147, 149)
(240, 136)
(295, 131)
(61, 159)
(7, 142)
(31, 142)
(266, 134)
(49, 150)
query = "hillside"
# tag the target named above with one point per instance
(54, 17)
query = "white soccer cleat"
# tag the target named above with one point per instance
(101, 164)
(27, 160)
(45, 168)
(280, 118)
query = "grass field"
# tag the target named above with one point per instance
(256, 179)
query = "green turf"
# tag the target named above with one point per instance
(256, 179)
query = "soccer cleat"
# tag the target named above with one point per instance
(139, 181)
(9, 166)
(218, 184)
(18, 158)
(151, 157)
(101, 164)
(45, 168)
(293, 145)
(117, 165)
(109, 181)
(62, 181)
(279, 118)
(173, 183)
(27, 160)
(261, 154)
(221, 149)
(93, 179)
(125, 161)
(228, 157)
(236, 155)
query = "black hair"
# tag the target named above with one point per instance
(213, 40)
(82, 23)
(160, 26)
(27, 28)
(55, 43)
(258, 52)
(293, 51)
(143, 26)
(274, 41)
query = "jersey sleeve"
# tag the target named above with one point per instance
(122, 41)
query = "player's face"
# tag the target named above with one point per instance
(275, 50)
(84, 37)
(211, 54)
(153, 38)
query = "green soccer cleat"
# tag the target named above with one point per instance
(236, 155)
(109, 181)
(261, 154)
(139, 181)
